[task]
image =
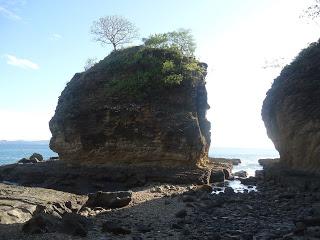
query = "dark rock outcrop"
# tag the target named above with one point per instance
(109, 199)
(34, 158)
(137, 106)
(85, 179)
(19, 204)
(291, 111)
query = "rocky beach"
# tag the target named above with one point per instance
(276, 209)
(133, 140)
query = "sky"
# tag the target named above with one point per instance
(44, 43)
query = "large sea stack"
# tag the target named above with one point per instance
(138, 106)
(291, 111)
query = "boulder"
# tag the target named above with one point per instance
(109, 199)
(41, 223)
(130, 110)
(24, 160)
(217, 176)
(291, 111)
(69, 223)
(34, 158)
(220, 171)
(37, 157)
(241, 174)
(75, 224)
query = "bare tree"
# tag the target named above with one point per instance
(115, 30)
(90, 63)
(312, 12)
(274, 63)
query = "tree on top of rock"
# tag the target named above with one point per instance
(181, 40)
(90, 62)
(312, 11)
(114, 30)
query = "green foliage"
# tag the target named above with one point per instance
(193, 67)
(181, 40)
(141, 71)
(159, 40)
(168, 66)
(173, 79)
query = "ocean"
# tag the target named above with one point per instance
(11, 152)
(249, 157)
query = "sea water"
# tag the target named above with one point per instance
(11, 152)
(249, 162)
(249, 157)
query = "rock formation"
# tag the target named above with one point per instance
(137, 106)
(291, 111)
(18, 204)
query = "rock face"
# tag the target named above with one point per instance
(291, 111)
(18, 204)
(137, 106)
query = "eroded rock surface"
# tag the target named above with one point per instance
(137, 106)
(18, 204)
(291, 111)
(85, 179)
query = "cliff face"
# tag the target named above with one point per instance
(291, 111)
(137, 106)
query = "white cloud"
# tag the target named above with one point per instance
(20, 62)
(55, 37)
(9, 14)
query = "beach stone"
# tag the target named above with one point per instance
(217, 176)
(75, 224)
(241, 174)
(41, 223)
(37, 157)
(248, 181)
(25, 160)
(109, 199)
